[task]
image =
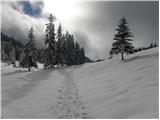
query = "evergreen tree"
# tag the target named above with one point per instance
(151, 45)
(9, 51)
(139, 49)
(50, 59)
(63, 51)
(122, 39)
(72, 52)
(67, 49)
(143, 48)
(59, 45)
(29, 58)
(155, 44)
(77, 53)
(9, 47)
(71, 49)
(82, 56)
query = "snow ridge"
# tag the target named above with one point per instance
(69, 104)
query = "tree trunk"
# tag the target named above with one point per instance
(122, 56)
(29, 69)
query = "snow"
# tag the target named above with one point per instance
(107, 89)
(114, 89)
(8, 68)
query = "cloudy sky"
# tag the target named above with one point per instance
(93, 23)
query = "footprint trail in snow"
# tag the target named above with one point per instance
(69, 104)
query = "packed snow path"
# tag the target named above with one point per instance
(69, 104)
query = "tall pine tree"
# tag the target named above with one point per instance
(82, 56)
(29, 58)
(122, 39)
(77, 53)
(50, 52)
(155, 44)
(59, 49)
(71, 49)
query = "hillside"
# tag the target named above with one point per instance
(107, 89)
(11, 49)
(113, 89)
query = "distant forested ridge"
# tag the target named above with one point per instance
(11, 49)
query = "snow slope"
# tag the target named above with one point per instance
(115, 89)
(107, 89)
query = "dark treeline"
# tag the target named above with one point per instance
(11, 49)
(61, 49)
(146, 48)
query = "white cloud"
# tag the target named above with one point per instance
(17, 24)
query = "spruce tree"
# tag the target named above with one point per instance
(29, 58)
(50, 52)
(122, 39)
(63, 60)
(11, 49)
(82, 55)
(71, 49)
(77, 53)
(151, 45)
(65, 48)
(155, 44)
(68, 46)
(59, 45)
(72, 52)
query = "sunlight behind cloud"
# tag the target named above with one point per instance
(64, 10)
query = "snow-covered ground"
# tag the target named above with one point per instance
(107, 89)
(8, 68)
